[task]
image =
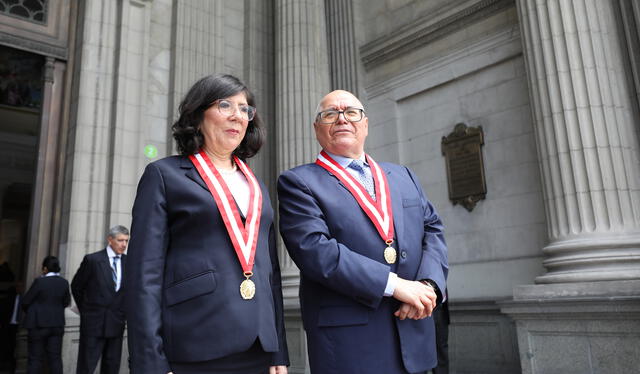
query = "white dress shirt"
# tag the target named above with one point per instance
(111, 253)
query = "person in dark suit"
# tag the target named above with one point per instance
(44, 306)
(9, 318)
(203, 282)
(370, 249)
(98, 291)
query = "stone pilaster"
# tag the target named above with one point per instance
(302, 79)
(91, 131)
(41, 232)
(588, 148)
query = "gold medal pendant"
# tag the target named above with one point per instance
(247, 287)
(390, 255)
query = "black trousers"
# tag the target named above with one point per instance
(41, 343)
(90, 350)
(253, 361)
(442, 341)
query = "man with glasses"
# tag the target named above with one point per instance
(370, 249)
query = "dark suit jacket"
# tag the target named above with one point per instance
(183, 279)
(350, 325)
(45, 301)
(101, 307)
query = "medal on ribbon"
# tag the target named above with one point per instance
(244, 237)
(379, 211)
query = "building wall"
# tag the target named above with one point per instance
(420, 67)
(468, 70)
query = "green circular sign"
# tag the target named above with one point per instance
(151, 151)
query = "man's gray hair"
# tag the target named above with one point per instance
(117, 230)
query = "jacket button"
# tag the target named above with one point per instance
(403, 254)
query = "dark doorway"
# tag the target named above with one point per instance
(21, 87)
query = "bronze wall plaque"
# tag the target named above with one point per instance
(462, 150)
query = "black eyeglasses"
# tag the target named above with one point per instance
(331, 116)
(227, 108)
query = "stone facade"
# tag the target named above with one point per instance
(544, 272)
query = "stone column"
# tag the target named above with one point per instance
(583, 316)
(302, 79)
(198, 45)
(588, 149)
(630, 10)
(343, 50)
(258, 73)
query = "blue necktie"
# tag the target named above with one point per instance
(114, 271)
(364, 178)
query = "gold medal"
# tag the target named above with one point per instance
(390, 255)
(247, 287)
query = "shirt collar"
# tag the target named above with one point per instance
(345, 161)
(110, 252)
(52, 274)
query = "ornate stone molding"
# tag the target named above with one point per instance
(502, 46)
(33, 46)
(49, 38)
(419, 33)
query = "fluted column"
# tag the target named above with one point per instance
(588, 149)
(630, 11)
(342, 46)
(198, 44)
(302, 79)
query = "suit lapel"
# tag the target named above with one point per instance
(106, 270)
(323, 170)
(396, 206)
(123, 264)
(191, 172)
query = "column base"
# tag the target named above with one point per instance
(577, 328)
(296, 340)
(592, 259)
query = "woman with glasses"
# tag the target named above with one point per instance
(203, 280)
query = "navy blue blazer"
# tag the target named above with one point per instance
(45, 301)
(349, 324)
(101, 307)
(183, 277)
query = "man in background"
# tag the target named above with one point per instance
(97, 290)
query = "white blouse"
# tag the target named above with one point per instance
(239, 187)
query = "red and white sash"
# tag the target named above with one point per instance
(378, 211)
(243, 236)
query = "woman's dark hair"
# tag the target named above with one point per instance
(51, 263)
(186, 130)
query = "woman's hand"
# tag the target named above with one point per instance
(280, 369)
